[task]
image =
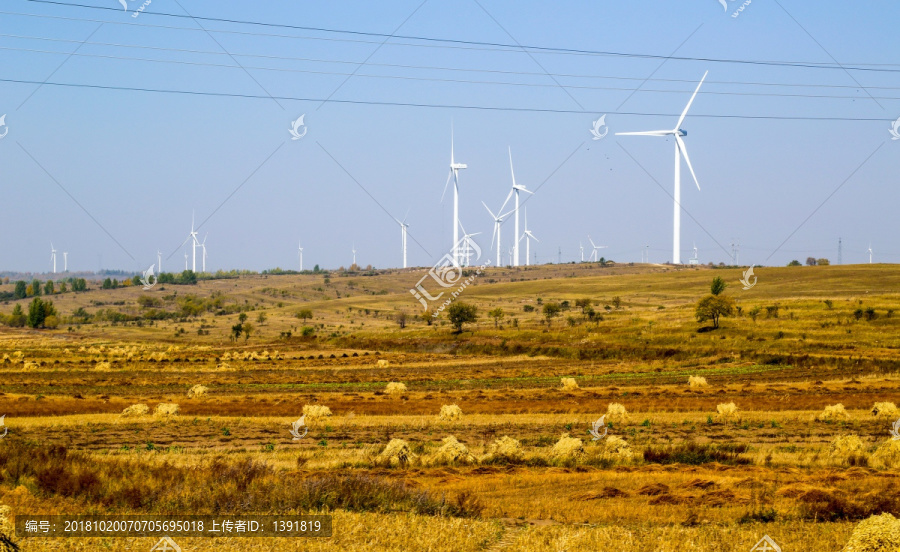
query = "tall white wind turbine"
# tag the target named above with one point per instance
(516, 188)
(403, 227)
(678, 133)
(498, 220)
(53, 256)
(300, 254)
(158, 261)
(467, 244)
(65, 261)
(595, 253)
(870, 253)
(203, 246)
(454, 174)
(527, 236)
(194, 243)
(581, 247)
(354, 254)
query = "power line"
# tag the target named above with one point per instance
(432, 105)
(491, 45)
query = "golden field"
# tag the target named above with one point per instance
(688, 477)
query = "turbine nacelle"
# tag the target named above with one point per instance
(458, 166)
(681, 132)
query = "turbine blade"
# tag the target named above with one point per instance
(406, 216)
(646, 133)
(489, 211)
(681, 146)
(449, 176)
(688, 106)
(508, 197)
(511, 171)
(494, 234)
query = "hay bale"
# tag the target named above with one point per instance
(7, 528)
(382, 363)
(616, 412)
(103, 366)
(452, 452)
(569, 384)
(166, 409)
(697, 381)
(879, 533)
(886, 456)
(395, 388)
(450, 413)
(833, 413)
(197, 391)
(844, 446)
(396, 453)
(505, 449)
(728, 412)
(567, 448)
(886, 410)
(616, 448)
(135, 410)
(30, 366)
(315, 412)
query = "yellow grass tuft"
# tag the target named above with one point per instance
(886, 456)
(567, 448)
(30, 366)
(843, 447)
(6, 524)
(226, 356)
(396, 453)
(197, 391)
(315, 412)
(697, 381)
(569, 384)
(833, 412)
(616, 448)
(505, 449)
(728, 412)
(383, 363)
(135, 410)
(452, 452)
(616, 412)
(450, 413)
(879, 533)
(103, 366)
(395, 388)
(885, 410)
(166, 409)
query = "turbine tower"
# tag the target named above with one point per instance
(65, 261)
(203, 245)
(354, 254)
(53, 256)
(581, 247)
(516, 188)
(300, 254)
(467, 244)
(498, 220)
(527, 236)
(454, 174)
(159, 261)
(185, 261)
(595, 252)
(870, 253)
(678, 133)
(403, 227)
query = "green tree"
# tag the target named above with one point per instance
(810, 261)
(823, 262)
(21, 290)
(583, 304)
(261, 318)
(107, 283)
(718, 285)
(551, 310)
(242, 317)
(461, 313)
(36, 287)
(39, 311)
(795, 262)
(236, 331)
(48, 288)
(712, 307)
(304, 314)
(497, 314)
(17, 319)
(248, 329)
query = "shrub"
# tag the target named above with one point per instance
(452, 452)
(135, 410)
(885, 410)
(395, 388)
(833, 412)
(567, 448)
(315, 412)
(569, 384)
(396, 453)
(879, 533)
(887, 455)
(728, 412)
(616, 412)
(697, 381)
(166, 409)
(450, 413)
(505, 449)
(197, 391)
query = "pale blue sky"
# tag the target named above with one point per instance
(140, 161)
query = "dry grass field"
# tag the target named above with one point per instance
(677, 472)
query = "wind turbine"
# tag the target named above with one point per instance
(194, 243)
(595, 252)
(467, 243)
(454, 174)
(65, 261)
(159, 261)
(581, 247)
(695, 259)
(53, 257)
(498, 220)
(354, 254)
(680, 150)
(516, 188)
(527, 236)
(403, 227)
(300, 254)
(185, 261)
(203, 245)
(870, 253)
